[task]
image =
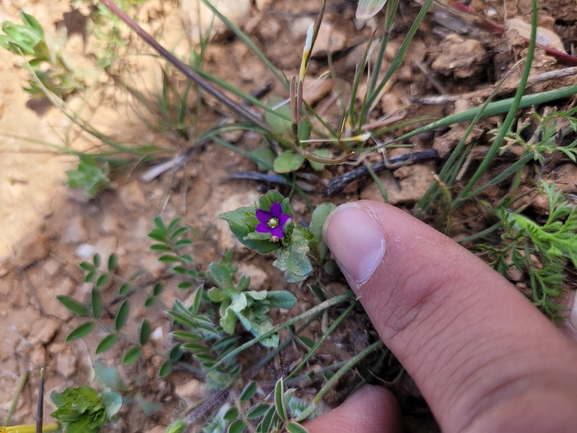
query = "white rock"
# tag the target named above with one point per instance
(84, 251)
(259, 279)
(203, 20)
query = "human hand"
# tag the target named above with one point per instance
(484, 358)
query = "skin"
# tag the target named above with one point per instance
(484, 358)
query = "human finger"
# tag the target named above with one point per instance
(372, 409)
(474, 345)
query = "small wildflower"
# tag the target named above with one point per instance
(272, 221)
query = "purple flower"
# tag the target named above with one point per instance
(272, 221)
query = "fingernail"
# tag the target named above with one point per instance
(357, 242)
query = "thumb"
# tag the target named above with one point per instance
(483, 357)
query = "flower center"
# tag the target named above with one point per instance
(273, 223)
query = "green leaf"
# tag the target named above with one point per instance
(157, 289)
(159, 223)
(243, 221)
(144, 334)
(168, 258)
(112, 402)
(197, 300)
(231, 414)
(132, 355)
(165, 368)
(366, 9)
(322, 153)
(237, 426)
(122, 315)
(266, 155)
(112, 262)
(293, 427)
(124, 289)
(257, 411)
(73, 305)
(222, 277)
(279, 402)
(248, 391)
(102, 280)
(176, 352)
(106, 343)
(279, 123)
(96, 260)
(318, 219)
(173, 224)
(149, 408)
(228, 321)
(280, 299)
(288, 161)
(81, 331)
(178, 426)
(109, 376)
(294, 257)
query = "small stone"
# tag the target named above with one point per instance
(43, 330)
(190, 391)
(66, 363)
(157, 334)
(259, 279)
(226, 238)
(329, 40)
(84, 251)
(76, 231)
(109, 223)
(52, 267)
(38, 356)
(132, 197)
(31, 249)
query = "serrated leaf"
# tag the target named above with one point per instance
(96, 300)
(288, 161)
(106, 343)
(248, 391)
(81, 331)
(132, 355)
(145, 330)
(122, 315)
(73, 305)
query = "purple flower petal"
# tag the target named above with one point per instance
(283, 219)
(263, 215)
(262, 228)
(276, 210)
(277, 231)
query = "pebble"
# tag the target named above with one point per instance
(31, 249)
(76, 231)
(132, 197)
(43, 330)
(201, 18)
(259, 279)
(66, 363)
(226, 238)
(84, 251)
(192, 390)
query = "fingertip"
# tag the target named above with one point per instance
(372, 409)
